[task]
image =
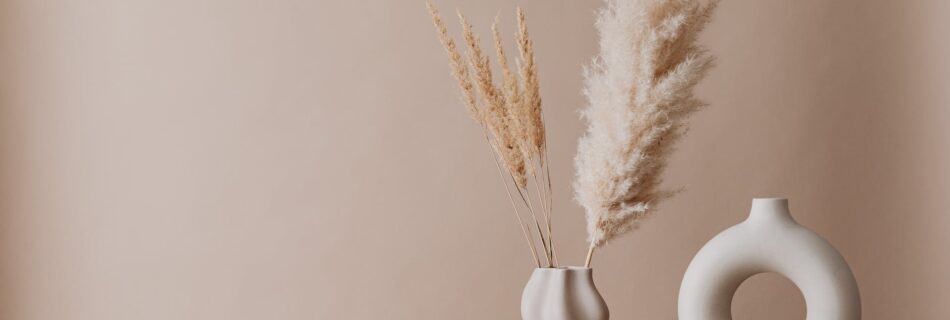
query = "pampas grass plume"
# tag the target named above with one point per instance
(639, 93)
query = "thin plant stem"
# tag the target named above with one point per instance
(542, 189)
(550, 196)
(546, 199)
(545, 164)
(590, 255)
(531, 243)
(534, 216)
(546, 214)
(514, 206)
(521, 223)
(536, 223)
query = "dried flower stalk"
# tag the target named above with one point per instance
(459, 70)
(511, 118)
(534, 127)
(639, 91)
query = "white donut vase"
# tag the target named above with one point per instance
(769, 241)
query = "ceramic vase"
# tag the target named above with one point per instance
(769, 241)
(562, 294)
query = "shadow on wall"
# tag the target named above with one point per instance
(8, 130)
(867, 148)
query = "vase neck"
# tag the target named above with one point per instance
(770, 210)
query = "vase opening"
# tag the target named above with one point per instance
(770, 209)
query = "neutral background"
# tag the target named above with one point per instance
(310, 160)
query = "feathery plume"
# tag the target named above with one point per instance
(497, 116)
(459, 69)
(531, 99)
(640, 94)
(517, 118)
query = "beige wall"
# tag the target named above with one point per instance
(309, 159)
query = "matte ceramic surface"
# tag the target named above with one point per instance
(562, 294)
(769, 241)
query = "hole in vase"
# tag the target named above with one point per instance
(768, 296)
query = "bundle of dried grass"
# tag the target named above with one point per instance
(639, 92)
(511, 118)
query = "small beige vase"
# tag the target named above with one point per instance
(562, 294)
